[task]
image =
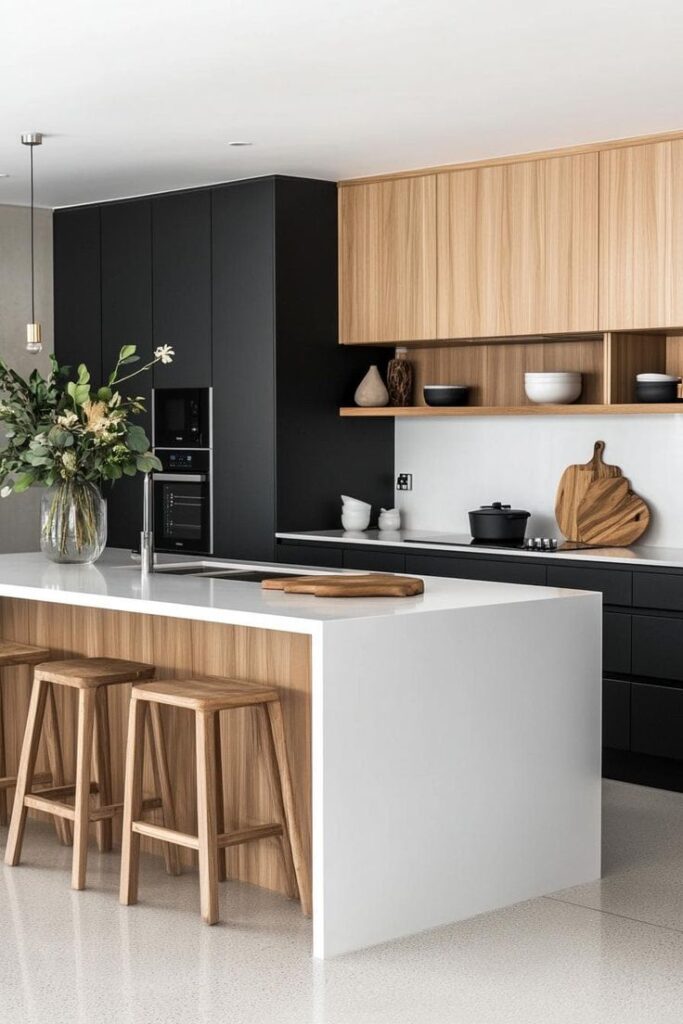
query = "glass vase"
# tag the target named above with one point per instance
(73, 522)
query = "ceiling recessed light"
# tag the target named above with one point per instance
(239, 143)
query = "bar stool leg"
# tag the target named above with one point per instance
(27, 764)
(3, 763)
(53, 743)
(132, 802)
(277, 735)
(220, 811)
(84, 743)
(273, 775)
(102, 759)
(206, 814)
(162, 784)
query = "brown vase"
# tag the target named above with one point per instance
(400, 379)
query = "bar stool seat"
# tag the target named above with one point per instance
(13, 654)
(91, 677)
(207, 698)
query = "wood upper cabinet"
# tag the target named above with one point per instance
(518, 248)
(641, 236)
(387, 260)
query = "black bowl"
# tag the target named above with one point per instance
(438, 394)
(656, 391)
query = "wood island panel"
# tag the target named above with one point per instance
(179, 648)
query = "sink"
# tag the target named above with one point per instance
(206, 571)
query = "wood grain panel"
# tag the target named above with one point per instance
(629, 355)
(641, 236)
(387, 261)
(180, 648)
(518, 248)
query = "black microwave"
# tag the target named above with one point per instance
(182, 418)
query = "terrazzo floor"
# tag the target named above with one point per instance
(607, 952)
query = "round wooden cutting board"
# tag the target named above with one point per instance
(368, 585)
(573, 486)
(611, 514)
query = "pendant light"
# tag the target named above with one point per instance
(34, 333)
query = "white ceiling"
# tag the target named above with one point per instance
(144, 95)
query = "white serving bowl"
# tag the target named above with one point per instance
(354, 503)
(552, 388)
(356, 520)
(657, 378)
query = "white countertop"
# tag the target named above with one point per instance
(116, 582)
(639, 555)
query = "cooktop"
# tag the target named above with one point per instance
(528, 544)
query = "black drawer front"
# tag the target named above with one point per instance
(374, 561)
(616, 642)
(476, 569)
(306, 554)
(614, 586)
(658, 647)
(656, 720)
(657, 590)
(616, 714)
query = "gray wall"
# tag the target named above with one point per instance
(19, 514)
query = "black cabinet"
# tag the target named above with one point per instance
(616, 642)
(477, 569)
(656, 720)
(374, 560)
(77, 288)
(658, 647)
(181, 259)
(323, 555)
(658, 590)
(126, 246)
(616, 714)
(613, 584)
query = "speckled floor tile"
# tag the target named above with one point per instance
(80, 957)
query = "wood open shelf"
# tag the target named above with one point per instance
(579, 409)
(494, 372)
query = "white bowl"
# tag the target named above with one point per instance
(356, 520)
(552, 389)
(354, 503)
(657, 378)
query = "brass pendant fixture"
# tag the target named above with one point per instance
(34, 331)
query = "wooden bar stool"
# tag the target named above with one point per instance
(14, 654)
(91, 677)
(207, 698)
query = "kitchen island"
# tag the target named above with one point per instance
(445, 749)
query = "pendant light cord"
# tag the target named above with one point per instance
(33, 304)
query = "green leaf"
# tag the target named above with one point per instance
(147, 463)
(104, 394)
(23, 482)
(127, 351)
(136, 438)
(83, 374)
(128, 360)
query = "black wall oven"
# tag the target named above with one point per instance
(182, 502)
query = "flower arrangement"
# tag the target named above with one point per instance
(64, 434)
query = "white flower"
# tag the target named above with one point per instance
(164, 353)
(67, 419)
(5, 492)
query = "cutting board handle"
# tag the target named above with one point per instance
(598, 451)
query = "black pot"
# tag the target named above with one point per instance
(657, 390)
(498, 522)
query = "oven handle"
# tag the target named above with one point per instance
(180, 478)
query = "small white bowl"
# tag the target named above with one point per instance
(657, 378)
(354, 503)
(552, 388)
(356, 520)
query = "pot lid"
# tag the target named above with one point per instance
(497, 508)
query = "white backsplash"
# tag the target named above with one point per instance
(459, 464)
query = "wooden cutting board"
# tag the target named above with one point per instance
(369, 585)
(611, 514)
(572, 488)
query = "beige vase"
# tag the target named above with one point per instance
(371, 391)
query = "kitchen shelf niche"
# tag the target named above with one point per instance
(494, 372)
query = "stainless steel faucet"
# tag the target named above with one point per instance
(147, 535)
